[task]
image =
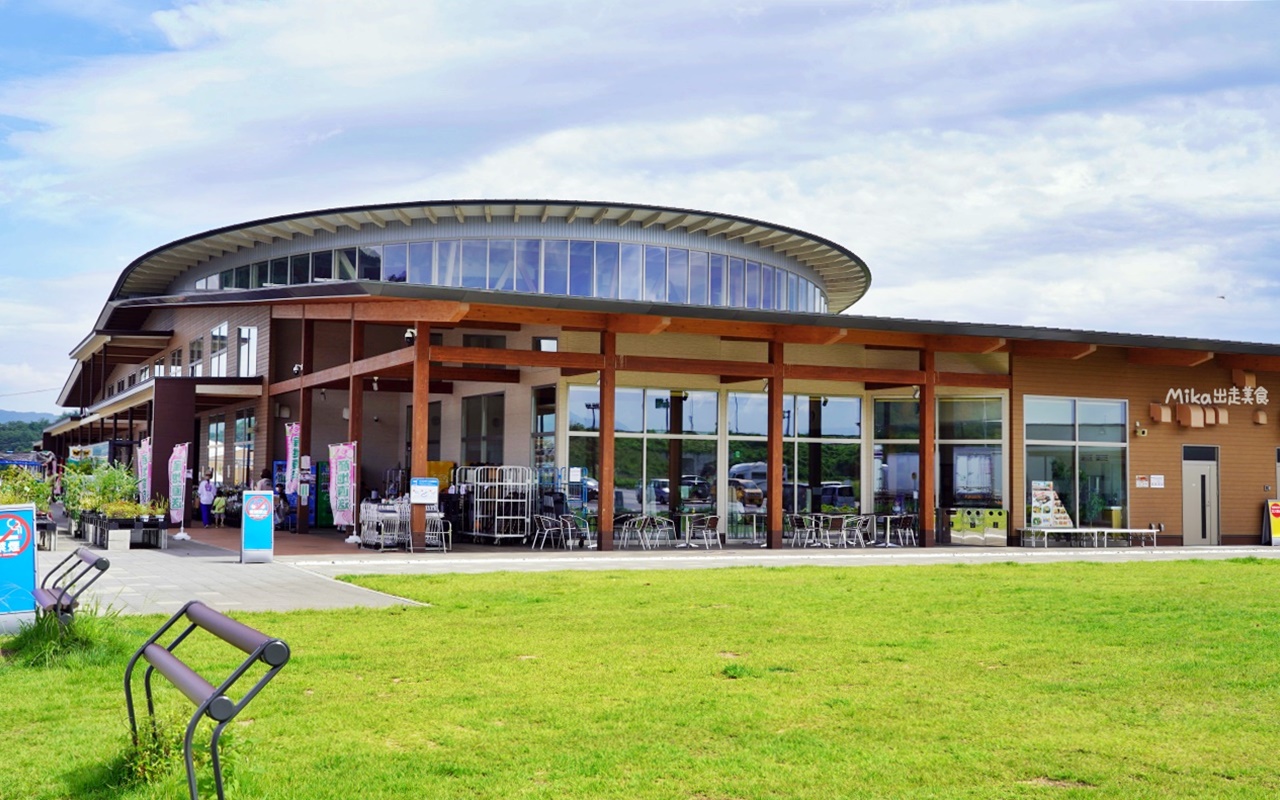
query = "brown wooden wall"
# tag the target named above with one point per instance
(1247, 451)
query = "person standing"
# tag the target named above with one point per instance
(220, 509)
(206, 490)
(264, 483)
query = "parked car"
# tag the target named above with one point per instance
(658, 490)
(745, 491)
(694, 488)
(838, 494)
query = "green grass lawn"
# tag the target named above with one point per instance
(1054, 680)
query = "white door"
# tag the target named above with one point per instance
(1199, 495)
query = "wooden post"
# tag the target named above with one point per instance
(421, 405)
(355, 414)
(304, 421)
(604, 503)
(926, 502)
(775, 460)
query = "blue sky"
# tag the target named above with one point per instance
(1105, 166)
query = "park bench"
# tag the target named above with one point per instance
(209, 700)
(59, 592)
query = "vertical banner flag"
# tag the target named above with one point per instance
(342, 482)
(144, 470)
(178, 482)
(293, 467)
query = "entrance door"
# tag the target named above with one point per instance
(1199, 495)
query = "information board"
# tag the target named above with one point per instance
(257, 527)
(1273, 520)
(17, 566)
(424, 491)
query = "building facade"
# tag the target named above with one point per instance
(643, 358)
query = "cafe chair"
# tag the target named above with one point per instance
(707, 531)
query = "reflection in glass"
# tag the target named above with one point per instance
(717, 279)
(970, 418)
(395, 263)
(300, 268)
(753, 284)
(735, 283)
(1053, 463)
(1101, 420)
(584, 408)
(631, 274)
(243, 278)
(677, 276)
(581, 262)
(970, 476)
(607, 270)
(748, 414)
(830, 417)
(422, 262)
(279, 271)
(655, 273)
(698, 278)
(628, 473)
(1051, 418)
(449, 263)
(897, 419)
(628, 410)
(369, 266)
(475, 259)
(555, 267)
(897, 478)
(793, 291)
(502, 264)
(766, 286)
(322, 265)
(1102, 489)
(528, 254)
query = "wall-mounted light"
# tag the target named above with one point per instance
(915, 392)
(375, 383)
(323, 396)
(765, 386)
(282, 411)
(346, 413)
(375, 417)
(297, 369)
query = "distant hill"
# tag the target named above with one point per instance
(25, 416)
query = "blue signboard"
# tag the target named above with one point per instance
(17, 566)
(257, 527)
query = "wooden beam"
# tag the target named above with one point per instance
(1248, 362)
(488, 213)
(1157, 357)
(1068, 350)
(634, 323)
(652, 220)
(476, 374)
(516, 358)
(974, 381)
(458, 215)
(327, 311)
(582, 320)
(350, 221)
(924, 475)
(410, 311)
(692, 366)
(813, 372)
(705, 222)
(430, 214)
(801, 334)
(626, 217)
(404, 218)
(774, 445)
(514, 327)
(608, 392)
(375, 219)
(325, 224)
(421, 404)
(676, 223)
(600, 215)
(573, 215)
(383, 363)
(966, 344)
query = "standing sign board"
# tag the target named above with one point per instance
(1273, 521)
(424, 491)
(257, 528)
(17, 566)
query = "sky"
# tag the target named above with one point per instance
(1084, 165)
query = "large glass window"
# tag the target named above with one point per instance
(475, 262)
(677, 276)
(528, 256)
(736, 283)
(218, 351)
(279, 271)
(369, 265)
(698, 278)
(607, 269)
(970, 453)
(581, 266)
(502, 264)
(247, 352)
(753, 284)
(300, 268)
(766, 286)
(322, 266)
(244, 433)
(555, 267)
(345, 264)
(449, 263)
(632, 271)
(395, 263)
(422, 262)
(216, 444)
(1080, 445)
(716, 284)
(655, 273)
(897, 456)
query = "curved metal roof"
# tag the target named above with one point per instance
(845, 275)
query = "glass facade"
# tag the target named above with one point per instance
(1081, 446)
(572, 267)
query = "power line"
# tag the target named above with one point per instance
(31, 391)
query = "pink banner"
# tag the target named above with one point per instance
(342, 482)
(144, 470)
(178, 482)
(293, 466)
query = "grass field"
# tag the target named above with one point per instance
(1054, 680)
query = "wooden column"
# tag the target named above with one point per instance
(774, 480)
(928, 439)
(608, 385)
(421, 413)
(355, 413)
(304, 419)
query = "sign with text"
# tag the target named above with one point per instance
(293, 463)
(342, 482)
(424, 491)
(1233, 396)
(17, 566)
(178, 482)
(144, 470)
(257, 527)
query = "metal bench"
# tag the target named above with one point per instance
(209, 700)
(59, 592)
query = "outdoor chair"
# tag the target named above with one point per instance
(707, 531)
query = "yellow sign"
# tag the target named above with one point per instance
(1273, 518)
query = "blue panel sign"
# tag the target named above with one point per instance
(17, 566)
(257, 527)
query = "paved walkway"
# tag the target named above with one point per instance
(146, 581)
